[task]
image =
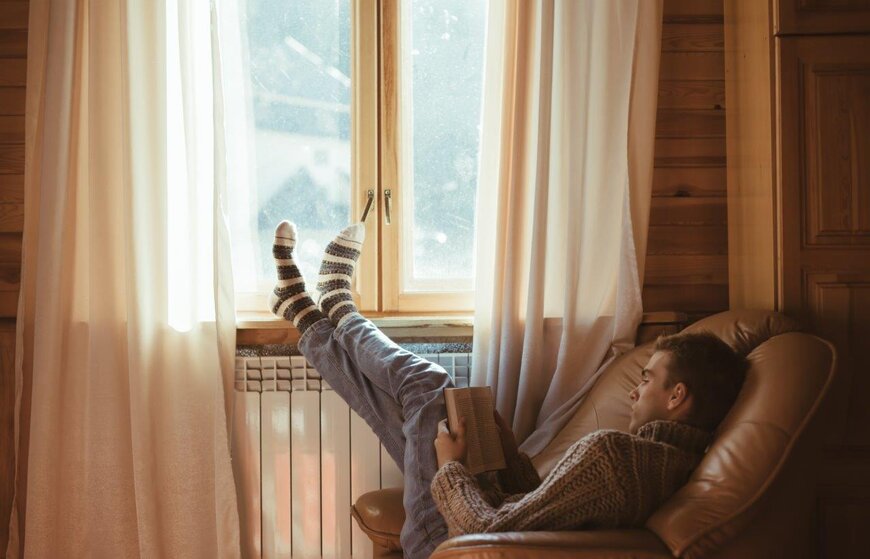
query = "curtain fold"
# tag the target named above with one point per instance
(126, 324)
(563, 201)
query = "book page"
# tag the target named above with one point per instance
(492, 455)
(481, 432)
(465, 408)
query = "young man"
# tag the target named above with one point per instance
(607, 479)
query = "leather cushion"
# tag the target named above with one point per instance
(744, 330)
(380, 515)
(606, 406)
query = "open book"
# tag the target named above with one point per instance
(481, 432)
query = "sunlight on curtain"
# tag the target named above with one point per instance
(190, 161)
(127, 325)
(563, 200)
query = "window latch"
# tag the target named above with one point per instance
(371, 199)
(388, 202)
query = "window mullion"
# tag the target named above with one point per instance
(364, 147)
(390, 151)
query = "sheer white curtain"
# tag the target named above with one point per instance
(563, 201)
(126, 321)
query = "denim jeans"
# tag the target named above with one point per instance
(399, 395)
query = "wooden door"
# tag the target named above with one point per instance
(824, 189)
(821, 16)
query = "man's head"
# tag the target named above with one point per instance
(693, 378)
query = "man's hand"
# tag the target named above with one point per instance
(450, 446)
(508, 440)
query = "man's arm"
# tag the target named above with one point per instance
(582, 488)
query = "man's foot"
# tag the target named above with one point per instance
(336, 270)
(289, 300)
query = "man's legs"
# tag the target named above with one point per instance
(417, 385)
(400, 396)
(376, 407)
(396, 392)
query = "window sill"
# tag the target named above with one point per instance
(261, 328)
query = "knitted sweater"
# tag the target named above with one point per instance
(607, 479)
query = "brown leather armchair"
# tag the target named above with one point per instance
(751, 496)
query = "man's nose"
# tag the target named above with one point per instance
(633, 394)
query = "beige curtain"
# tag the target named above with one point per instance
(126, 322)
(563, 203)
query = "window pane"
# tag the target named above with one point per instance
(299, 90)
(444, 94)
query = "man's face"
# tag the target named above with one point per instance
(650, 397)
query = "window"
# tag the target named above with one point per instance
(357, 99)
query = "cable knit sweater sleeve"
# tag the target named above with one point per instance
(582, 488)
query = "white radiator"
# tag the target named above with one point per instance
(302, 457)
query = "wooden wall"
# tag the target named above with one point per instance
(13, 63)
(687, 252)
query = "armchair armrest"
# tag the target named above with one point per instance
(380, 514)
(598, 544)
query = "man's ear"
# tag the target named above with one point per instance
(678, 396)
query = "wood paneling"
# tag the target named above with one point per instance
(12, 159)
(12, 189)
(10, 247)
(13, 71)
(663, 269)
(11, 218)
(7, 434)
(692, 94)
(681, 239)
(692, 65)
(13, 43)
(692, 37)
(11, 101)
(692, 298)
(693, 11)
(838, 304)
(693, 152)
(844, 503)
(836, 145)
(689, 181)
(844, 520)
(825, 184)
(688, 211)
(11, 129)
(13, 15)
(672, 123)
(822, 16)
(687, 246)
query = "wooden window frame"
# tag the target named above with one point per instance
(377, 155)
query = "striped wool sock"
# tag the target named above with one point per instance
(336, 270)
(289, 300)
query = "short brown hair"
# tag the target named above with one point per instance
(711, 370)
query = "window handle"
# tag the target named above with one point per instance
(371, 199)
(388, 203)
